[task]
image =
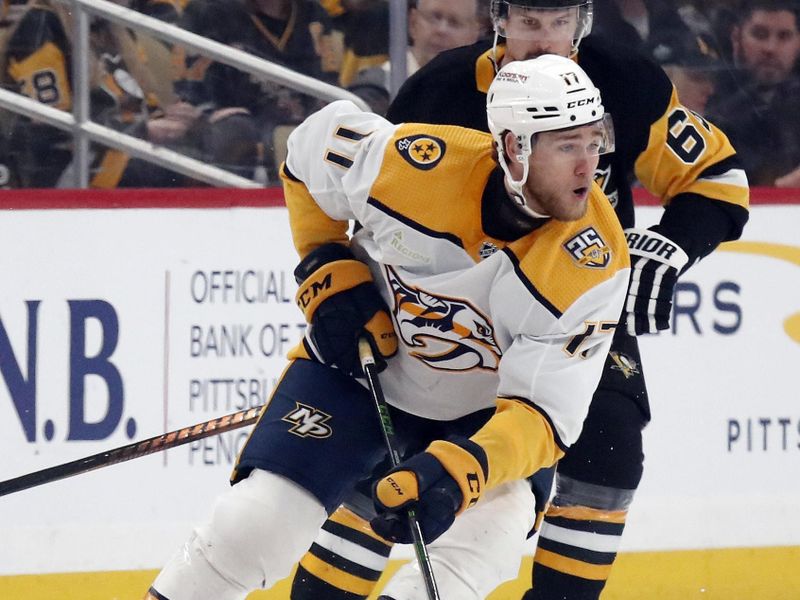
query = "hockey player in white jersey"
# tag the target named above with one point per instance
(487, 272)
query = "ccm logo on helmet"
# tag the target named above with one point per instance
(582, 102)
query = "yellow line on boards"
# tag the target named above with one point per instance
(730, 574)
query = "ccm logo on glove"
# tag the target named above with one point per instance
(439, 483)
(341, 304)
(312, 291)
(332, 278)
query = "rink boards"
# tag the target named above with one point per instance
(175, 307)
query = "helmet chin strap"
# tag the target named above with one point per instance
(494, 52)
(518, 193)
(573, 51)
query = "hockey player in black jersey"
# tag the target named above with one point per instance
(678, 156)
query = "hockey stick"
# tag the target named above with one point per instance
(151, 445)
(387, 428)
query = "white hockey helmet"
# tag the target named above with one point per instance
(547, 93)
(500, 10)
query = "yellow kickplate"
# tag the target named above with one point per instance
(741, 574)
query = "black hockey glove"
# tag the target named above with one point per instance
(341, 304)
(440, 483)
(656, 262)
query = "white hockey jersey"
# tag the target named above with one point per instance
(477, 317)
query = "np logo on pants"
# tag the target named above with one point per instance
(307, 421)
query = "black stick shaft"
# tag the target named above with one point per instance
(387, 428)
(152, 445)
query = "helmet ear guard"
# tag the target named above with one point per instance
(523, 148)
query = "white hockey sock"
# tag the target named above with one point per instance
(259, 529)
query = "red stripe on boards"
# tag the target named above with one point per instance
(65, 199)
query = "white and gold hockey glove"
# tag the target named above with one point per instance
(656, 262)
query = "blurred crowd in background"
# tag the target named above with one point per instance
(734, 62)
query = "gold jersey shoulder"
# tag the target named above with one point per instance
(564, 260)
(434, 176)
(692, 160)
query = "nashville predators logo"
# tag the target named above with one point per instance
(307, 421)
(589, 250)
(444, 333)
(421, 151)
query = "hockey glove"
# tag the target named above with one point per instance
(656, 262)
(440, 483)
(341, 303)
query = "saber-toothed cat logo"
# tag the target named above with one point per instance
(444, 333)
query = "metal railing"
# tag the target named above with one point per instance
(84, 130)
(398, 44)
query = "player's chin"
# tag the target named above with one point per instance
(572, 207)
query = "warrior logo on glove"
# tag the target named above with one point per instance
(656, 262)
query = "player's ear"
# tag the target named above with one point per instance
(511, 147)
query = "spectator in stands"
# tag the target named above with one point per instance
(438, 25)
(692, 64)
(291, 33)
(632, 22)
(37, 63)
(364, 29)
(433, 27)
(760, 115)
